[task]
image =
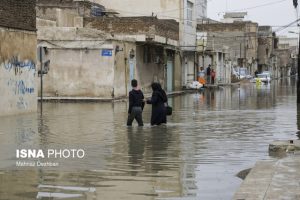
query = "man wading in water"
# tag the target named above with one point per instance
(136, 104)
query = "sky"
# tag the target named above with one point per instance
(277, 13)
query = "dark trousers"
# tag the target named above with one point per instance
(136, 113)
(208, 79)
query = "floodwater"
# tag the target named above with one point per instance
(210, 137)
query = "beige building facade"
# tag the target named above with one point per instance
(97, 57)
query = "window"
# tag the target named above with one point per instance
(190, 6)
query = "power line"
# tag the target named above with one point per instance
(195, 20)
(258, 6)
(286, 26)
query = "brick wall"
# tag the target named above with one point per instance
(248, 27)
(135, 25)
(18, 14)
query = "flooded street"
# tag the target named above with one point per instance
(210, 137)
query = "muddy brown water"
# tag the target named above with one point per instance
(210, 137)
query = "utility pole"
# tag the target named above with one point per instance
(295, 3)
(298, 72)
(203, 53)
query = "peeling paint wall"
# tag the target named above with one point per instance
(79, 72)
(122, 82)
(17, 72)
(81, 62)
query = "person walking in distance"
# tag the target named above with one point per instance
(208, 73)
(136, 104)
(255, 73)
(213, 76)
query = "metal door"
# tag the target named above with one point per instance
(169, 76)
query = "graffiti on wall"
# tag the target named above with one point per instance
(21, 103)
(19, 80)
(18, 66)
(20, 87)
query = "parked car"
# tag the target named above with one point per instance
(267, 72)
(264, 77)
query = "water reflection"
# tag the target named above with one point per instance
(298, 120)
(136, 149)
(211, 136)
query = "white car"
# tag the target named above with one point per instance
(264, 77)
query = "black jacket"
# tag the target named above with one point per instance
(136, 99)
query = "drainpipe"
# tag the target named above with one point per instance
(41, 74)
(298, 81)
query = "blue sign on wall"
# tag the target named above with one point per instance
(106, 52)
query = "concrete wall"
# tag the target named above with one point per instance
(77, 67)
(17, 71)
(79, 72)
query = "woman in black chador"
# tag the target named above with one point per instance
(158, 100)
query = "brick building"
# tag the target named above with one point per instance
(18, 56)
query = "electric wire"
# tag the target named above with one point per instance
(258, 6)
